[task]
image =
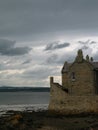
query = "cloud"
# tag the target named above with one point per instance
(37, 22)
(52, 59)
(93, 42)
(89, 42)
(33, 17)
(67, 57)
(7, 47)
(6, 44)
(85, 47)
(27, 61)
(39, 72)
(17, 51)
(56, 45)
(84, 42)
(60, 58)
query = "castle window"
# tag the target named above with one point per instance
(73, 76)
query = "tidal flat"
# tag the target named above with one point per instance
(45, 120)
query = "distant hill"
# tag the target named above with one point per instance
(25, 89)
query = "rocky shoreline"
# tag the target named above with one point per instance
(45, 120)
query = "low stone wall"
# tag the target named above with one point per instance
(63, 103)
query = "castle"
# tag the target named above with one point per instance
(79, 90)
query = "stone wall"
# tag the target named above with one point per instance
(83, 84)
(81, 96)
(64, 103)
(65, 80)
(84, 79)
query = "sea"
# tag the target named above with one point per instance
(23, 101)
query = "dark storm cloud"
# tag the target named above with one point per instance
(56, 45)
(44, 20)
(7, 47)
(29, 17)
(16, 51)
(6, 44)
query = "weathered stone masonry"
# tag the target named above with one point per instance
(79, 90)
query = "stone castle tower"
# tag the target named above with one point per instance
(79, 90)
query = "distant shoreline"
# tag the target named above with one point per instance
(24, 89)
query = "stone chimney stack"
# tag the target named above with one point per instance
(87, 58)
(79, 57)
(51, 80)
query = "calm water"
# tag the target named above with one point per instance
(23, 100)
(19, 98)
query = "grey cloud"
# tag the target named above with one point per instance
(6, 44)
(68, 57)
(27, 61)
(85, 47)
(7, 47)
(16, 51)
(93, 42)
(43, 20)
(59, 60)
(84, 42)
(87, 42)
(56, 45)
(38, 73)
(33, 17)
(12, 63)
(52, 59)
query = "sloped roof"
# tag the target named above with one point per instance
(66, 68)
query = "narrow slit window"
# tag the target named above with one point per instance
(73, 76)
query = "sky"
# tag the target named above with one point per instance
(38, 36)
